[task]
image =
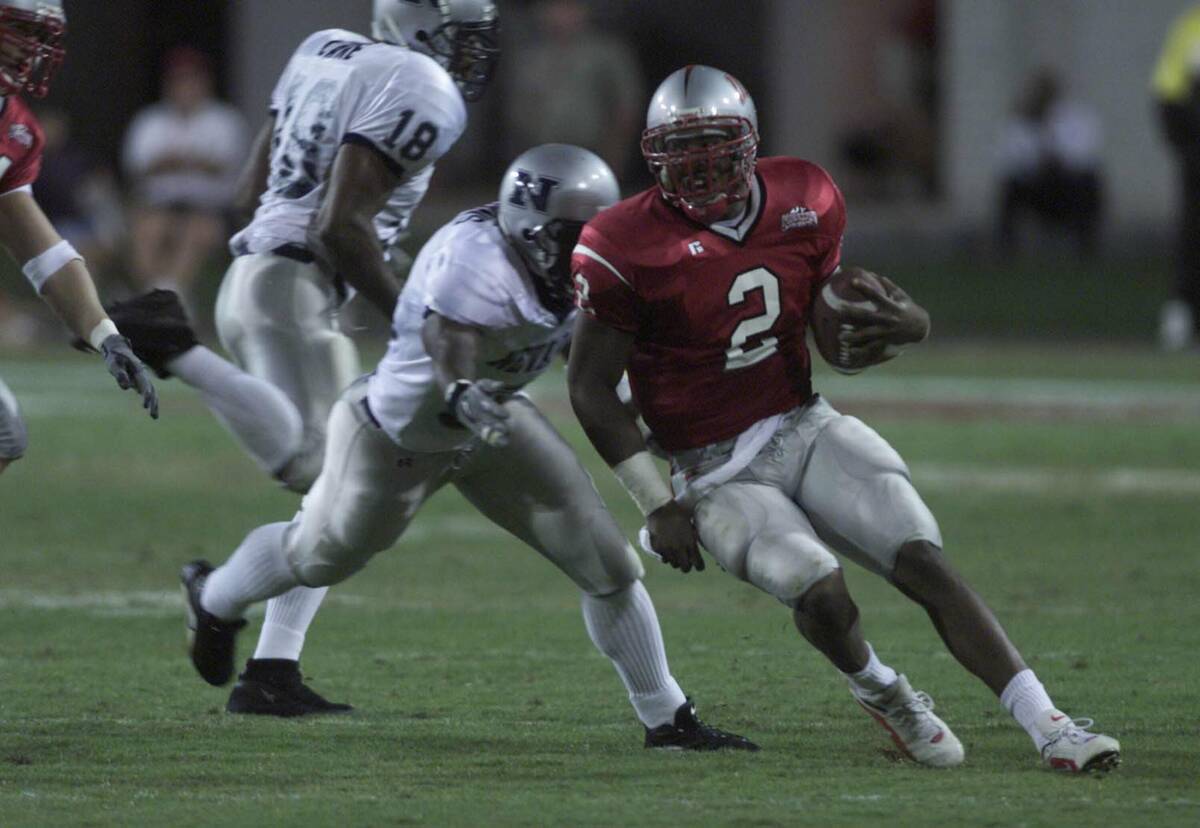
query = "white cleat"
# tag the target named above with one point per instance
(1070, 747)
(908, 716)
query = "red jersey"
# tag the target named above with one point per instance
(719, 315)
(21, 144)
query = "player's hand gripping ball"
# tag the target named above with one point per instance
(843, 309)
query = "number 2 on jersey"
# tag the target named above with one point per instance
(737, 356)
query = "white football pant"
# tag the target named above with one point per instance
(823, 483)
(277, 318)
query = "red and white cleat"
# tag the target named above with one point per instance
(908, 716)
(1070, 747)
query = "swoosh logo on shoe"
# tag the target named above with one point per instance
(941, 734)
(1058, 718)
(268, 696)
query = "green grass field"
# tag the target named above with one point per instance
(1067, 482)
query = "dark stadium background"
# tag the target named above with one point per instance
(817, 69)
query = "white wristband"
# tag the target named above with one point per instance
(40, 268)
(103, 330)
(642, 480)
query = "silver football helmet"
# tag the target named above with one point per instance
(701, 141)
(31, 45)
(461, 35)
(546, 197)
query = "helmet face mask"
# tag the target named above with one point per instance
(550, 246)
(547, 196)
(31, 46)
(469, 52)
(701, 142)
(461, 35)
(704, 165)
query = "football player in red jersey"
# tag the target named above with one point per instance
(701, 288)
(31, 36)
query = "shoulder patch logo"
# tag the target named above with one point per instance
(798, 218)
(21, 134)
(695, 248)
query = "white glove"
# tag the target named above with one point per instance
(477, 406)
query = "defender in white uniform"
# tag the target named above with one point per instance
(347, 155)
(486, 309)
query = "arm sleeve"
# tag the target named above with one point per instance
(469, 295)
(603, 283)
(22, 172)
(409, 124)
(833, 227)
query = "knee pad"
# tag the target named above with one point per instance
(787, 565)
(14, 439)
(326, 562)
(606, 561)
(302, 470)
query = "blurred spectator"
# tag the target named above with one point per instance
(78, 195)
(1176, 88)
(891, 151)
(1050, 165)
(182, 158)
(576, 85)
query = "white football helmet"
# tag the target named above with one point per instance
(546, 197)
(701, 141)
(461, 35)
(31, 45)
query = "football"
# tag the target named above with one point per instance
(828, 321)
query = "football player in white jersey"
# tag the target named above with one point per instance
(356, 124)
(485, 310)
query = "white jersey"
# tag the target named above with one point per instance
(340, 87)
(468, 273)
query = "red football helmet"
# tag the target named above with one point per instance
(31, 45)
(701, 141)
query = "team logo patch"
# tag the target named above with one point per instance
(799, 217)
(21, 134)
(695, 248)
(538, 192)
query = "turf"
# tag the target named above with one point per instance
(479, 698)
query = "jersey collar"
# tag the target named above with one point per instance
(737, 228)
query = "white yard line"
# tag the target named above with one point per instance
(1172, 483)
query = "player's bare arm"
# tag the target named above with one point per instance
(476, 404)
(599, 355)
(359, 187)
(62, 279)
(252, 180)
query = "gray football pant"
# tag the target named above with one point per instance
(535, 488)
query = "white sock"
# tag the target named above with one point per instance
(257, 570)
(288, 618)
(1026, 699)
(258, 414)
(874, 678)
(625, 628)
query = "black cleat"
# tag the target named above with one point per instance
(210, 640)
(157, 327)
(689, 733)
(275, 687)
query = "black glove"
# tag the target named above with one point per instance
(128, 370)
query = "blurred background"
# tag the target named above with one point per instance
(1003, 160)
